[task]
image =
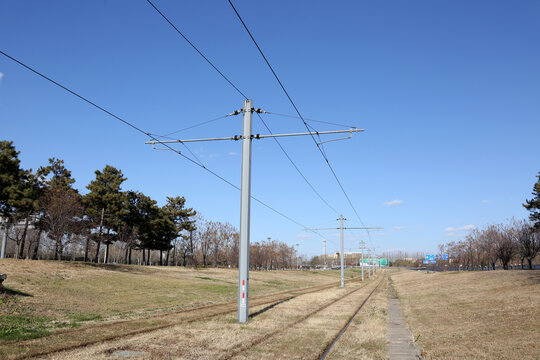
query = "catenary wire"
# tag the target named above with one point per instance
(354, 231)
(166, 136)
(296, 167)
(196, 49)
(299, 114)
(245, 97)
(149, 135)
(313, 120)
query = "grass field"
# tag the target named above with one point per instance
(275, 333)
(43, 296)
(467, 315)
(472, 315)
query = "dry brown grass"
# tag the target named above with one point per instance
(61, 290)
(221, 336)
(366, 336)
(473, 315)
(65, 294)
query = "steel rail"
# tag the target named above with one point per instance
(220, 309)
(238, 349)
(329, 348)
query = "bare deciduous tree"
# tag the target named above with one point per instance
(60, 206)
(527, 240)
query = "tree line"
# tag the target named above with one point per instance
(505, 244)
(45, 217)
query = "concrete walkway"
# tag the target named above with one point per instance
(400, 342)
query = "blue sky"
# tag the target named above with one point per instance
(447, 91)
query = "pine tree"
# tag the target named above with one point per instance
(17, 195)
(139, 211)
(104, 206)
(183, 221)
(533, 205)
(11, 178)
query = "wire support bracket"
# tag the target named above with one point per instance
(260, 136)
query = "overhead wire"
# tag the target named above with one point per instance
(192, 126)
(298, 112)
(166, 136)
(245, 97)
(196, 49)
(354, 231)
(296, 167)
(149, 135)
(313, 120)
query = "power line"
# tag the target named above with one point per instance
(298, 112)
(353, 231)
(241, 93)
(307, 119)
(152, 137)
(192, 126)
(196, 49)
(296, 167)
(166, 136)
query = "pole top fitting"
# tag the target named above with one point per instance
(235, 112)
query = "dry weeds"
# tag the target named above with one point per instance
(366, 336)
(61, 290)
(473, 315)
(71, 294)
(219, 337)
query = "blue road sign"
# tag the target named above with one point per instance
(430, 257)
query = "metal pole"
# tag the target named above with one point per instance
(341, 254)
(245, 200)
(297, 245)
(362, 248)
(369, 266)
(324, 244)
(4, 243)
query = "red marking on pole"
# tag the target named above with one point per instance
(243, 295)
(243, 282)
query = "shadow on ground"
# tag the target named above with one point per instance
(14, 292)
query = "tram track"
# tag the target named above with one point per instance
(72, 339)
(331, 345)
(238, 348)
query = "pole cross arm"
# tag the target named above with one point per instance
(337, 228)
(259, 136)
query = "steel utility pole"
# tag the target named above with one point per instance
(4, 242)
(245, 192)
(245, 203)
(362, 249)
(297, 252)
(342, 256)
(370, 264)
(324, 247)
(341, 252)
(374, 265)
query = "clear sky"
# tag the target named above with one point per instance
(448, 92)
